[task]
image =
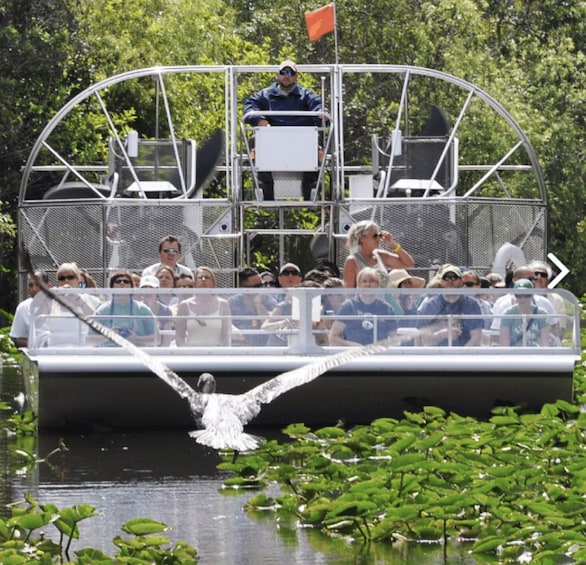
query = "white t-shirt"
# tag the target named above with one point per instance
(179, 270)
(22, 318)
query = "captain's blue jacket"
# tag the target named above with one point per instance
(271, 98)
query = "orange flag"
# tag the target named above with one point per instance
(320, 21)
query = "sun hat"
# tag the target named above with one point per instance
(397, 276)
(288, 64)
(149, 280)
(524, 283)
(451, 269)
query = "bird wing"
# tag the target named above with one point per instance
(268, 391)
(160, 369)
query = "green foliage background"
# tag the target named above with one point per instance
(528, 55)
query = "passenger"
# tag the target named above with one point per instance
(131, 318)
(289, 275)
(320, 277)
(459, 332)
(164, 314)
(542, 275)
(19, 329)
(404, 304)
(505, 302)
(87, 281)
(284, 95)
(167, 281)
(530, 327)
(363, 242)
(268, 279)
(54, 325)
(371, 318)
(281, 318)
(332, 301)
(249, 310)
(471, 279)
(494, 279)
(169, 253)
(184, 281)
(203, 319)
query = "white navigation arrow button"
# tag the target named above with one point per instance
(563, 270)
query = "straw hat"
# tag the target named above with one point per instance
(397, 276)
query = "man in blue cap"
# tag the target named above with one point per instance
(285, 94)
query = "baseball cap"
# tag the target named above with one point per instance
(451, 269)
(524, 283)
(149, 280)
(288, 65)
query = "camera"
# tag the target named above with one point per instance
(124, 332)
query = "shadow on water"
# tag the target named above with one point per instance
(166, 476)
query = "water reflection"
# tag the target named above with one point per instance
(166, 476)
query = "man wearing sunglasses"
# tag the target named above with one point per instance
(455, 331)
(284, 95)
(169, 253)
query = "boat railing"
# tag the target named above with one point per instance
(300, 325)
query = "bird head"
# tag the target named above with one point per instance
(206, 383)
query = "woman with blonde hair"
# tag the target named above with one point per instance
(203, 319)
(363, 242)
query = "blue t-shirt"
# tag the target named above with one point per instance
(135, 316)
(438, 306)
(371, 324)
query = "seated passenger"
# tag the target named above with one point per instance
(132, 319)
(51, 323)
(440, 322)
(203, 319)
(167, 280)
(404, 304)
(250, 309)
(281, 318)
(471, 279)
(369, 318)
(164, 315)
(169, 254)
(530, 327)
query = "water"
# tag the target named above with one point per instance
(166, 476)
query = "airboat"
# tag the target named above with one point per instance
(166, 150)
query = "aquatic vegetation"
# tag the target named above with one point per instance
(22, 538)
(512, 487)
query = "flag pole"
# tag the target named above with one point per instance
(336, 32)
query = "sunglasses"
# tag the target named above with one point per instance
(377, 235)
(66, 277)
(291, 273)
(287, 72)
(450, 278)
(540, 274)
(173, 251)
(121, 281)
(470, 283)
